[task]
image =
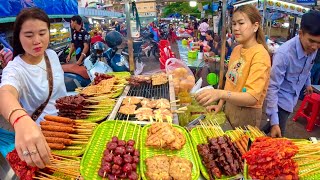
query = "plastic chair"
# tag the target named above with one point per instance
(164, 43)
(309, 109)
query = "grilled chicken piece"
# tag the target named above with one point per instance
(163, 103)
(127, 109)
(131, 100)
(162, 114)
(144, 113)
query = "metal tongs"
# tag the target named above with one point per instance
(195, 121)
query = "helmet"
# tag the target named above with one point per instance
(98, 48)
(113, 39)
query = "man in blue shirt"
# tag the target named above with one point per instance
(290, 72)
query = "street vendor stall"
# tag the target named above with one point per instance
(120, 147)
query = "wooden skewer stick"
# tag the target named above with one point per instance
(134, 130)
(118, 134)
(125, 128)
(83, 130)
(114, 127)
(65, 171)
(48, 175)
(79, 142)
(65, 157)
(41, 178)
(178, 100)
(74, 147)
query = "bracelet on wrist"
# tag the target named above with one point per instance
(84, 54)
(228, 95)
(13, 111)
(18, 118)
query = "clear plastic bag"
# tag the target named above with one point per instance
(183, 78)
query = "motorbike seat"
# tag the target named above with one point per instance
(76, 69)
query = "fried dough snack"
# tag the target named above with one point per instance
(180, 168)
(105, 86)
(158, 168)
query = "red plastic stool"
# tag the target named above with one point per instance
(309, 109)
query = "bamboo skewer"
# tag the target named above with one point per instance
(73, 147)
(64, 157)
(48, 175)
(125, 128)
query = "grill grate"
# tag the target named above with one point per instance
(147, 91)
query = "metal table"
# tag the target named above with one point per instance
(183, 51)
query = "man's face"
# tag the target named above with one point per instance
(309, 42)
(72, 24)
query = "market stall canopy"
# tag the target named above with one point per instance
(51, 7)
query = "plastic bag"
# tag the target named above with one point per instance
(183, 78)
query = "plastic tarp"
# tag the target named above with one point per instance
(51, 7)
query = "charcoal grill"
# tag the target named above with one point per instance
(148, 91)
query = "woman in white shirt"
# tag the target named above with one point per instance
(25, 85)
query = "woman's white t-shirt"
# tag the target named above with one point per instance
(31, 82)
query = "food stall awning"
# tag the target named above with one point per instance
(12, 19)
(281, 6)
(98, 13)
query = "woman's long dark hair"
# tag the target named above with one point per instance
(23, 16)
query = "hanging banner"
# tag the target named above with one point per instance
(10, 8)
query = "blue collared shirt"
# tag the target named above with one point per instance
(290, 71)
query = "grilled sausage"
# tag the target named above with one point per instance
(58, 119)
(57, 146)
(56, 134)
(58, 128)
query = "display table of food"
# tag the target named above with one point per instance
(124, 127)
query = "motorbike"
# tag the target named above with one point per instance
(143, 46)
(101, 60)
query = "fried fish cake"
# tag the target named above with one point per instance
(179, 140)
(158, 167)
(180, 168)
(160, 135)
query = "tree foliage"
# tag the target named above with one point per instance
(183, 8)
